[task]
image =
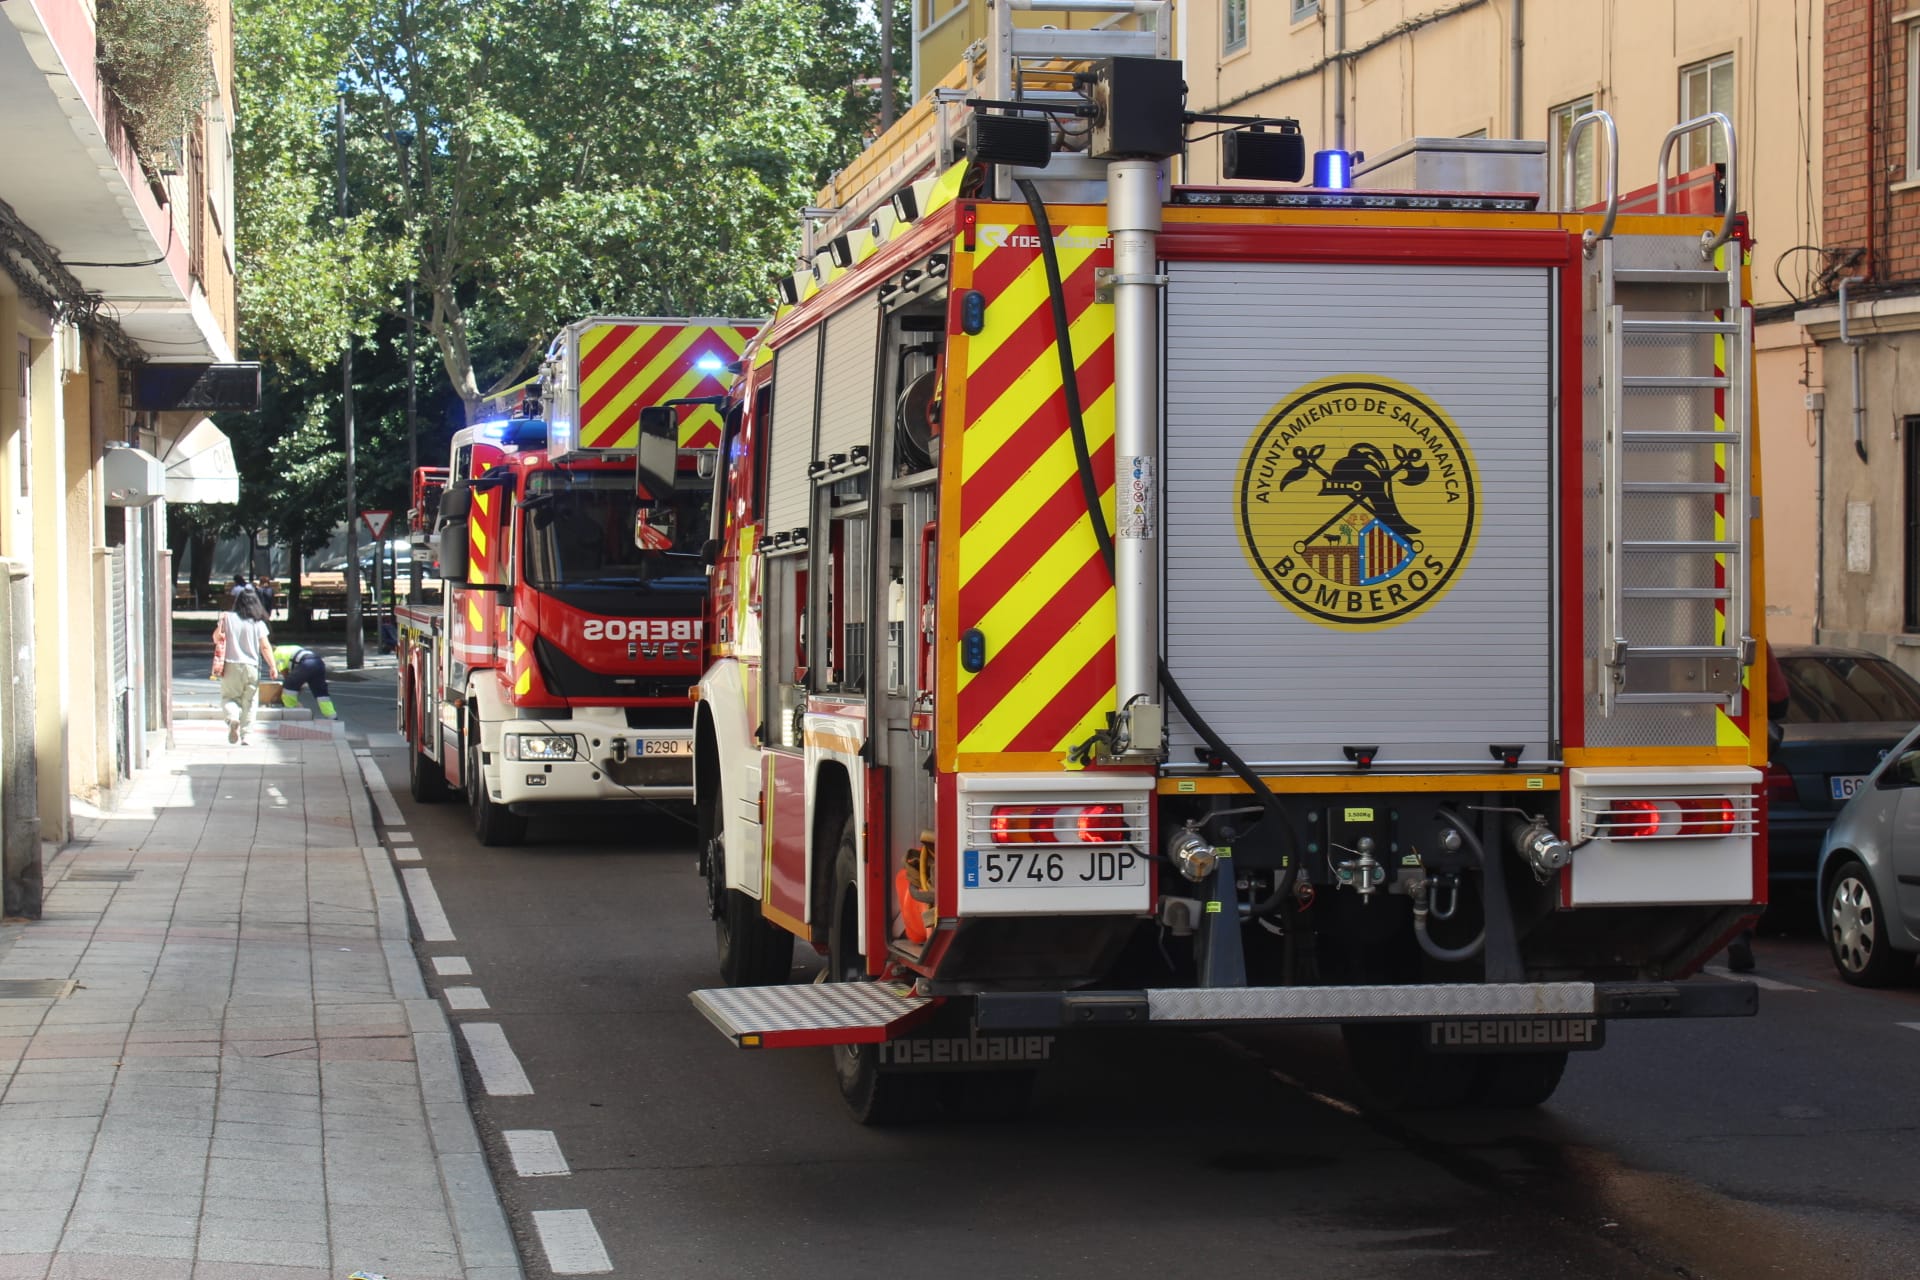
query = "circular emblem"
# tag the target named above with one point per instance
(1357, 503)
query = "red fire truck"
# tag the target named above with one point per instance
(1207, 606)
(555, 670)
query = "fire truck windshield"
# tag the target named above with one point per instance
(579, 534)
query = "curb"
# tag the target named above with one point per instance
(480, 1227)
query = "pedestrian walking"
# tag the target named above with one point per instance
(240, 655)
(302, 667)
(265, 587)
(238, 585)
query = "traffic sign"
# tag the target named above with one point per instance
(376, 522)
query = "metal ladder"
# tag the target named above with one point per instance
(1676, 346)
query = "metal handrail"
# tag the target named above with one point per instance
(1613, 171)
(1681, 130)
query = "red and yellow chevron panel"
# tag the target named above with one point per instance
(1028, 572)
(626, 366)
(483, 537)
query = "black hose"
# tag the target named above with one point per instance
(1090, 489)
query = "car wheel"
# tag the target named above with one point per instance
(493, 825)
(876, 1096)
(1856, 929)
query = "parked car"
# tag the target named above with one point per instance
(1869, 873)
(1845, 709)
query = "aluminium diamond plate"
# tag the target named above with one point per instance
(1360, 1003)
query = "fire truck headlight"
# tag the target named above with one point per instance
(539, 746)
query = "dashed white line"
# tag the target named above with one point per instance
(571, 1243)
(400, 837)
(426, 905)
(1765, 984)
(405, 853)
(451, 966)
(361, 751)
(1911, 1026)
(383, 799)
(493, 1057)
(465, 998)
(536, 1153)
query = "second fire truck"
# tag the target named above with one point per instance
(554, 672)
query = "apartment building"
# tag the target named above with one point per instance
(116, 258)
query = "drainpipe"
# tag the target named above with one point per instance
(1846, 337)
(1339, 75)
(1516, 117)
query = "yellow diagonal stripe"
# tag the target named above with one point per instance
(1039, 686)
(988, 531)
(618, 418)
(616, 360)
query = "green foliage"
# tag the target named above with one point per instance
(156, 59)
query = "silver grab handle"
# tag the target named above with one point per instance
(1613, 170)
(1681, 130)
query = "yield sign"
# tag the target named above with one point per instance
(376, 522)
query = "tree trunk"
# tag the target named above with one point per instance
(296, 559)
(202, 577)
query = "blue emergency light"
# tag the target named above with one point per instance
(710, 364)
(1333, 170)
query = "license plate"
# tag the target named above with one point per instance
(1845, 785)
(666, 747)
(1052, 868)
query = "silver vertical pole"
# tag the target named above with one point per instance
(356, 654)
(1133, 219)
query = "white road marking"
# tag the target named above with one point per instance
(405, 853)
(382, 798)
(451, 966)
(400, 837)
(571, 1243)
(1765, 984)
(536, 1153)
(493, 1057)
(1911, 1026)
(361, 751)
(426, 905)
(465, 998)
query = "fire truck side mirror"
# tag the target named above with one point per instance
(453, 552)
(658, 453)
(456, 504)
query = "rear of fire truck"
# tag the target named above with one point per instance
(571, 630)
(1209, 607)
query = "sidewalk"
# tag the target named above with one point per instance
(230, 1069)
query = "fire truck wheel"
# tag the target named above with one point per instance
(876, 1096)
(1518, 1080)
(426, 781)
(1402, 1074)
(753, 952)
(493, 825)
(987, 1095)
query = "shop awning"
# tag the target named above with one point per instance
(200, 466)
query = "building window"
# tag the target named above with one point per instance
(1304, 9)
(1233, 25)
(1704, 87)
(1559, 128)
(1909, 430)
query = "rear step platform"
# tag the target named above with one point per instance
(787, 1017)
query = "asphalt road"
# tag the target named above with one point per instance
(1777, 1146)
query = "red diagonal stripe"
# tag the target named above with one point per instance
(1035, 436)
(1009, 660)
(1056, 517)
(1077, 699)
(1031, 341)
(661, 387)
(615, 384)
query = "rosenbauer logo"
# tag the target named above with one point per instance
(1357, 502)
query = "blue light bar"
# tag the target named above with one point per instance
(1333, 170)
(710, 363)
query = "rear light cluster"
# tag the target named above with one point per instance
(1781, 788)
(1059, 824)
(1671, 817)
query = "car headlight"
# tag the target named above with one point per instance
(539, 746)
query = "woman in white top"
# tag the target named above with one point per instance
(241, 650)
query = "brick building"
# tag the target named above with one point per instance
(1867, 397)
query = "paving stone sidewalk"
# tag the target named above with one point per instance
(247, 1080)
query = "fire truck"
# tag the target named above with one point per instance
(1141, 605)
(555, 670)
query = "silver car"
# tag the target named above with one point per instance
(1869, 873)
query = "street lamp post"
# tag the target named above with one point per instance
(356, 654)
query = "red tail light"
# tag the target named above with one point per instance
(1101, 824)
(1058, 824)
(1706, 815)
(1780, 786)
(1633, 819)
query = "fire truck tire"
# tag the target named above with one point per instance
(753, 951)
(1400, 1073)
(493, 825)
(1518, 1080)
(877, 1097)
(426, 781)
(988, 1095)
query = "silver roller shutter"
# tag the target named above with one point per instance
(796, 377)
(847, 378)
(1471, 669)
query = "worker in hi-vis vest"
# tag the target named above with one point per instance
(300, 666)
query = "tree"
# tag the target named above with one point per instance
(564, 157)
